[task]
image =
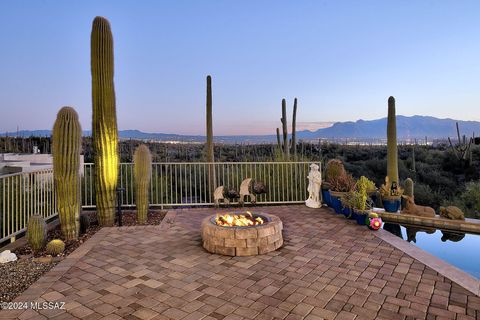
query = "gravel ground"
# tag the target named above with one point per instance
(17, 276)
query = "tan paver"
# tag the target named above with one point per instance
(328, 268)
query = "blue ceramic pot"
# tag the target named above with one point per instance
(347, 212)
(326, 197)
(336, 204)
(391, 205)
(360, 217)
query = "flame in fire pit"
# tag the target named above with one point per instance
(238, 220)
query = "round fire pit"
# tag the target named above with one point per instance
(243, 240)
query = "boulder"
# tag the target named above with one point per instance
(452, 212)
(7, 256)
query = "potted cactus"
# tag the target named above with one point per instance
(391, 194)
(333, 170)
(362, 203)
(339, 186)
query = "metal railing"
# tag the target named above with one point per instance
(22, 195)
(172, 185)
(187, 184)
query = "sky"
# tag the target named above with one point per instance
(341, 59)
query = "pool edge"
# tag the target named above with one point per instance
(460, 277)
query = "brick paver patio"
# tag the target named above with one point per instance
(328, 268)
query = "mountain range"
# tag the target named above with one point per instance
(408, 127)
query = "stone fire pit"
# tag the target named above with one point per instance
(243, 241)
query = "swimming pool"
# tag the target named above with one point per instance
(459, 249)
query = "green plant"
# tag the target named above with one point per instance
(390, 190)
(392, 153)
(36, 232)
(55, 247)
(334, 169)
(362, 188)
(67, 142)
(104, 122)
(142, 171)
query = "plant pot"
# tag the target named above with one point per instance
(336, 202)
(391, 205)
(347, 212)
(361, 217)
(326, 197)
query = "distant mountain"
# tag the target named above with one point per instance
(407, 128)
(413, 127)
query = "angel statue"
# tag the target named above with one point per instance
(314, 182)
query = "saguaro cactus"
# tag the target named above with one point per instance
(210, 157)
(67, 141)
(36, 232)
(209, 145)
(408, 190)
(392, 155)
(286, 149)
(294, 130)
(142, 160)
(285, 145)
(462, 149)
(104, 124)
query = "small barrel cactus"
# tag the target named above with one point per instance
(36, 232)
(55, 247)
(84, 223)
(142, 169)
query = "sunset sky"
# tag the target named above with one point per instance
(341, 59)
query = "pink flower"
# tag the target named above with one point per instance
(375, 223)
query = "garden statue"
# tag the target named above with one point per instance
(314, 182)
(251, 188)
(452, 212)
(416, 210)
(225, 194)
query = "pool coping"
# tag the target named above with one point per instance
(447, 270)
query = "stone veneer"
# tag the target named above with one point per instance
(242, 241)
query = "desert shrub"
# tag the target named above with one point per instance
(468, 200)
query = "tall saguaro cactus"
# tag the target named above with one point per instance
(67, 142)
(284, 146)
(392, 154)
(209, 121)
(294, 130)
(209, 145)
(104, 123)
(142, 160)
(286, 149)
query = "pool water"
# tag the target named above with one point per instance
(458, 249)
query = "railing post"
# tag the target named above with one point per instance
(119, 205)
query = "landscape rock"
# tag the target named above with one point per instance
(7, 256)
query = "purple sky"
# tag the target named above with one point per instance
(342, 59)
